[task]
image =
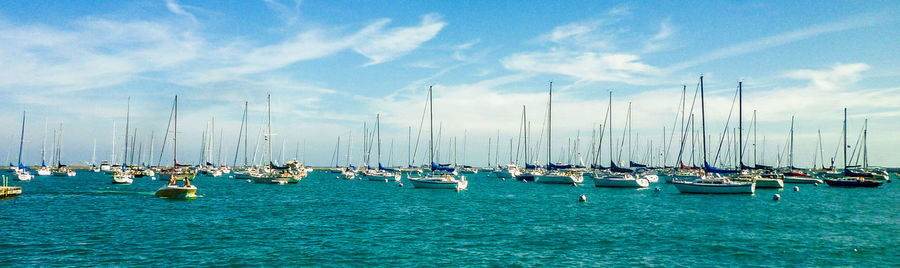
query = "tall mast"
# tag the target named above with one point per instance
(269, 114)
(127, 118)
(150, 160)
(703, 120)
(549, 122)
(43, 141)
(865, 148)
(610, 130)
(175, 137)
(754, 138)
(21, 138)
(525, 131)
(740, 125)
(378, 133)
(247, 133)
(791, 155)
(431, 125)
(845, 140)
(94, 153)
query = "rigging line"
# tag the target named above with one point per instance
(722, 137)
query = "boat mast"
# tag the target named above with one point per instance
(740, 125)
(175, 136)
(127, 118)
(21, 138)
(269, 114)
(791, 155)
(378, 133)
(431, 125)
(549, 122)
(703, 120)
(610, 131)
(845, 140)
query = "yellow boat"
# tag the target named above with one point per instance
(175, 191)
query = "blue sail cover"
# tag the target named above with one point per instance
(633, 164)
(851, 173)
(597, 166)
(352, 167)
(530, 166)
(436, 167)
(42, 163)
(615, 168)
(386, 169)
(551, 166)
(709, 168)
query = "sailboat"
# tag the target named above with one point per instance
(617, 177)
(439, 177)
(773, 182)
(350, 172)
(44, 170)
(380, 173)
(851, 179)
(795, 175)
(61, 170)
(273, 174)
(556, 174)
(22, 173)
(711, 183)
(177, 172)
(123, 175)
(512, 170)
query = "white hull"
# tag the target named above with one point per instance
(769, 183)
(706, 188)
(650, 178)
(385, 178)
(24, 176)
(801, 180)
(620, 182)
(44, 172)
(439, 182)
(122, 180)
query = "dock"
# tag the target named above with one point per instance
(7, 191)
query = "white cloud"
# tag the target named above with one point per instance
(778, 40)
(381, 45)
(290, 15)
(584, 66)
(176, 8)
(840, 75)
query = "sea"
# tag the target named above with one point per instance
(326, 221)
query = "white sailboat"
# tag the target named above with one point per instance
(124, 176)
(379, 173)
(555, 175)
(618, 179)
(439, 177)
(22, 173)
(710, 183)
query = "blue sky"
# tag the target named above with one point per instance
(330, 66)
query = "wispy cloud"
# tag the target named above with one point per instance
(174, 7)
(381, 45)
(290, 14)
(779, 39)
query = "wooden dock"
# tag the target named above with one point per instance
(7, 191)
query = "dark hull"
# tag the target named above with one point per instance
(853, 183)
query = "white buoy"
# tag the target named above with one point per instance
(248, 180)
(796, 188)
(582, 198)
(385, 180)
(776, 197)
(401, 184)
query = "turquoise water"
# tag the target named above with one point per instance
(85, 221)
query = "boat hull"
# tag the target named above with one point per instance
(428, 183)
(701, 188)
(848, 182)
(620, 182)
(558, 179)
(801, 180)
(177, 192)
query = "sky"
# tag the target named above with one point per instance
(332, 66)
